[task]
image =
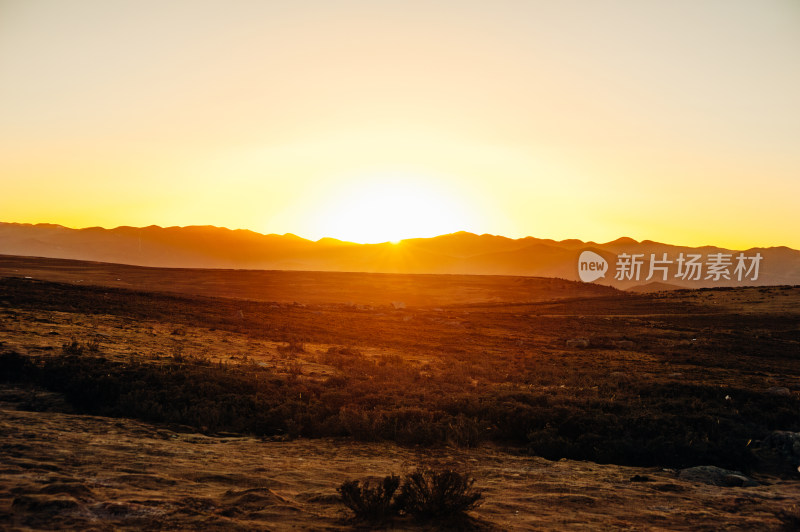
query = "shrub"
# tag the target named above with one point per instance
(374, 504)
(430, 494)
(426, 495)
(93, 345)
(73, 347)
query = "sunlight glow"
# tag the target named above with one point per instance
(510, 118)
(390, 208)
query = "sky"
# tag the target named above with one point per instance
(676, 121)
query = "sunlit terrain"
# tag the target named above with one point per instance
(283, 399)
(356, 265)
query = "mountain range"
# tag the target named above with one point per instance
(456, 253)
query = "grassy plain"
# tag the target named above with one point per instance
(236, 411)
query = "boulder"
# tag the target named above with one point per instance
(716, 476)
(781, 450)
(779, 391)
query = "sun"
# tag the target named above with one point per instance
(380, 209)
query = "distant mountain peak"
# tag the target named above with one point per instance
(292, 236)
(332, 241)
(461, 252)
(458, 234)
(622, 241)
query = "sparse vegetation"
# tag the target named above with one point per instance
(426, 495)
(93, 345)
(438, 494)
(74, 347)
(637, 424)
(665, 381)
(661, 402)
(375, 504)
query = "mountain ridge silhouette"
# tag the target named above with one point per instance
(455, 253)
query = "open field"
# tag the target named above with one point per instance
(97, 473)
(374, 289)
(221, 410)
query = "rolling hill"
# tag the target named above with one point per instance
(457, 253)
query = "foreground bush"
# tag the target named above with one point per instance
(431, 494)
(374, 504)
(426, 495)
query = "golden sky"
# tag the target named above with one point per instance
(676, 121)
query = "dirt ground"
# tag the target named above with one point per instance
(93, 473)
(63, 470)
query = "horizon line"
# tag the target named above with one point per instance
(619, 240)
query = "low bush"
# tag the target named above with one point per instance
(73, 347)
(374, 504)
(426, 495)
(430, 494)
(641, 424)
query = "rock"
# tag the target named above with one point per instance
(398, 305)
(624, 344)
(782, 448)
(779, 391)
(716, 476)
(581, 343)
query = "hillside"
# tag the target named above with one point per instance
(374, 289)
(141, 410)
(457, 253)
